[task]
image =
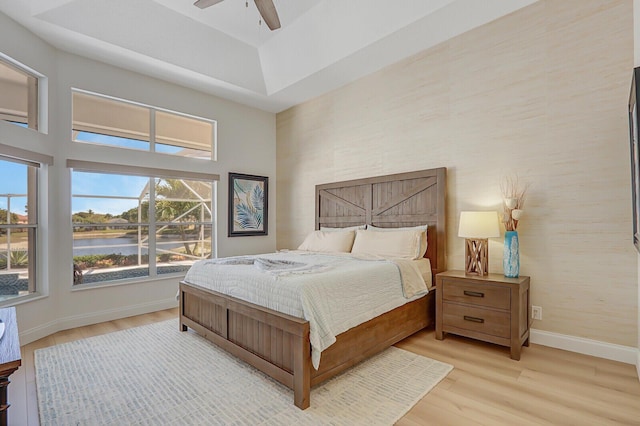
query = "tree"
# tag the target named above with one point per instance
(180, 211)
(88, 217)
(3, 219)
(131, 215)
(3, 216)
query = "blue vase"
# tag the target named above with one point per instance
(511, 259)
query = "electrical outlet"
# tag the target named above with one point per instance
(536, 312)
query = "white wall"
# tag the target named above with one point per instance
(246, 144)
(542, 92)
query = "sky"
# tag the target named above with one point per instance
(105, 185)
(124, 142)
(13, 180)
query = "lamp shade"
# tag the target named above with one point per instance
(479, 225)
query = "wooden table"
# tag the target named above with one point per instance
(10, 358)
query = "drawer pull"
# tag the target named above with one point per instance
(474, 319)
(473, 293)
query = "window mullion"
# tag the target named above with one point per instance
(152, 130)
(214, 220)
(152, 228)
(32, 219)
(32, 102)
(214, 141)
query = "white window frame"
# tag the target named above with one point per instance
(38, 164)
(38, 95)
(152, 123)
(149, 172)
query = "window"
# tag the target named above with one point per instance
(18, 221)
(115, 122)
(129, 226)
(19, 100)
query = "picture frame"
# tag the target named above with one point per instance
(248, 205)
(634, 108)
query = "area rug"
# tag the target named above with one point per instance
(157, 375)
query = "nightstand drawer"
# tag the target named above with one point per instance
(485, 321)
(476, 294)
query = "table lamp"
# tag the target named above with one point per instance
(477, 228)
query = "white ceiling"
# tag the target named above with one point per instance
(222, 50)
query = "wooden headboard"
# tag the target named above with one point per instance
(392, 201)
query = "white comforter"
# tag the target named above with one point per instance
(333, 292)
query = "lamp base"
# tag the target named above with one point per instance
(477, 256)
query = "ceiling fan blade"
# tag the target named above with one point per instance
(269, 14)
(206, 3)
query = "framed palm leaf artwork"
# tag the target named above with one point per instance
(248, 206)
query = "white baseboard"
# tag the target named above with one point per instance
(38, 332)
(638, 363)
(626, 354)
(44, 330)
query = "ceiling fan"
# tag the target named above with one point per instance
(265, 7)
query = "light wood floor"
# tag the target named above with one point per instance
(486, 387)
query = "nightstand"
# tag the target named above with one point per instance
(492, 308)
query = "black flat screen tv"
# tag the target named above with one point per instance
(634, 108)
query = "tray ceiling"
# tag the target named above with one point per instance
(222, 50)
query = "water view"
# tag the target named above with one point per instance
(120, 245)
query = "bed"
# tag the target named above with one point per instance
(278, 344)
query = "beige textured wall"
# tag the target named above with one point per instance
(541, 92)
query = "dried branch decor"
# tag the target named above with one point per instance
(514, 194)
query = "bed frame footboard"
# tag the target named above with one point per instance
(275, 343)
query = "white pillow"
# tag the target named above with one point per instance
(398, 245)
(331, 241)
(349, 228)
(421, 228)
